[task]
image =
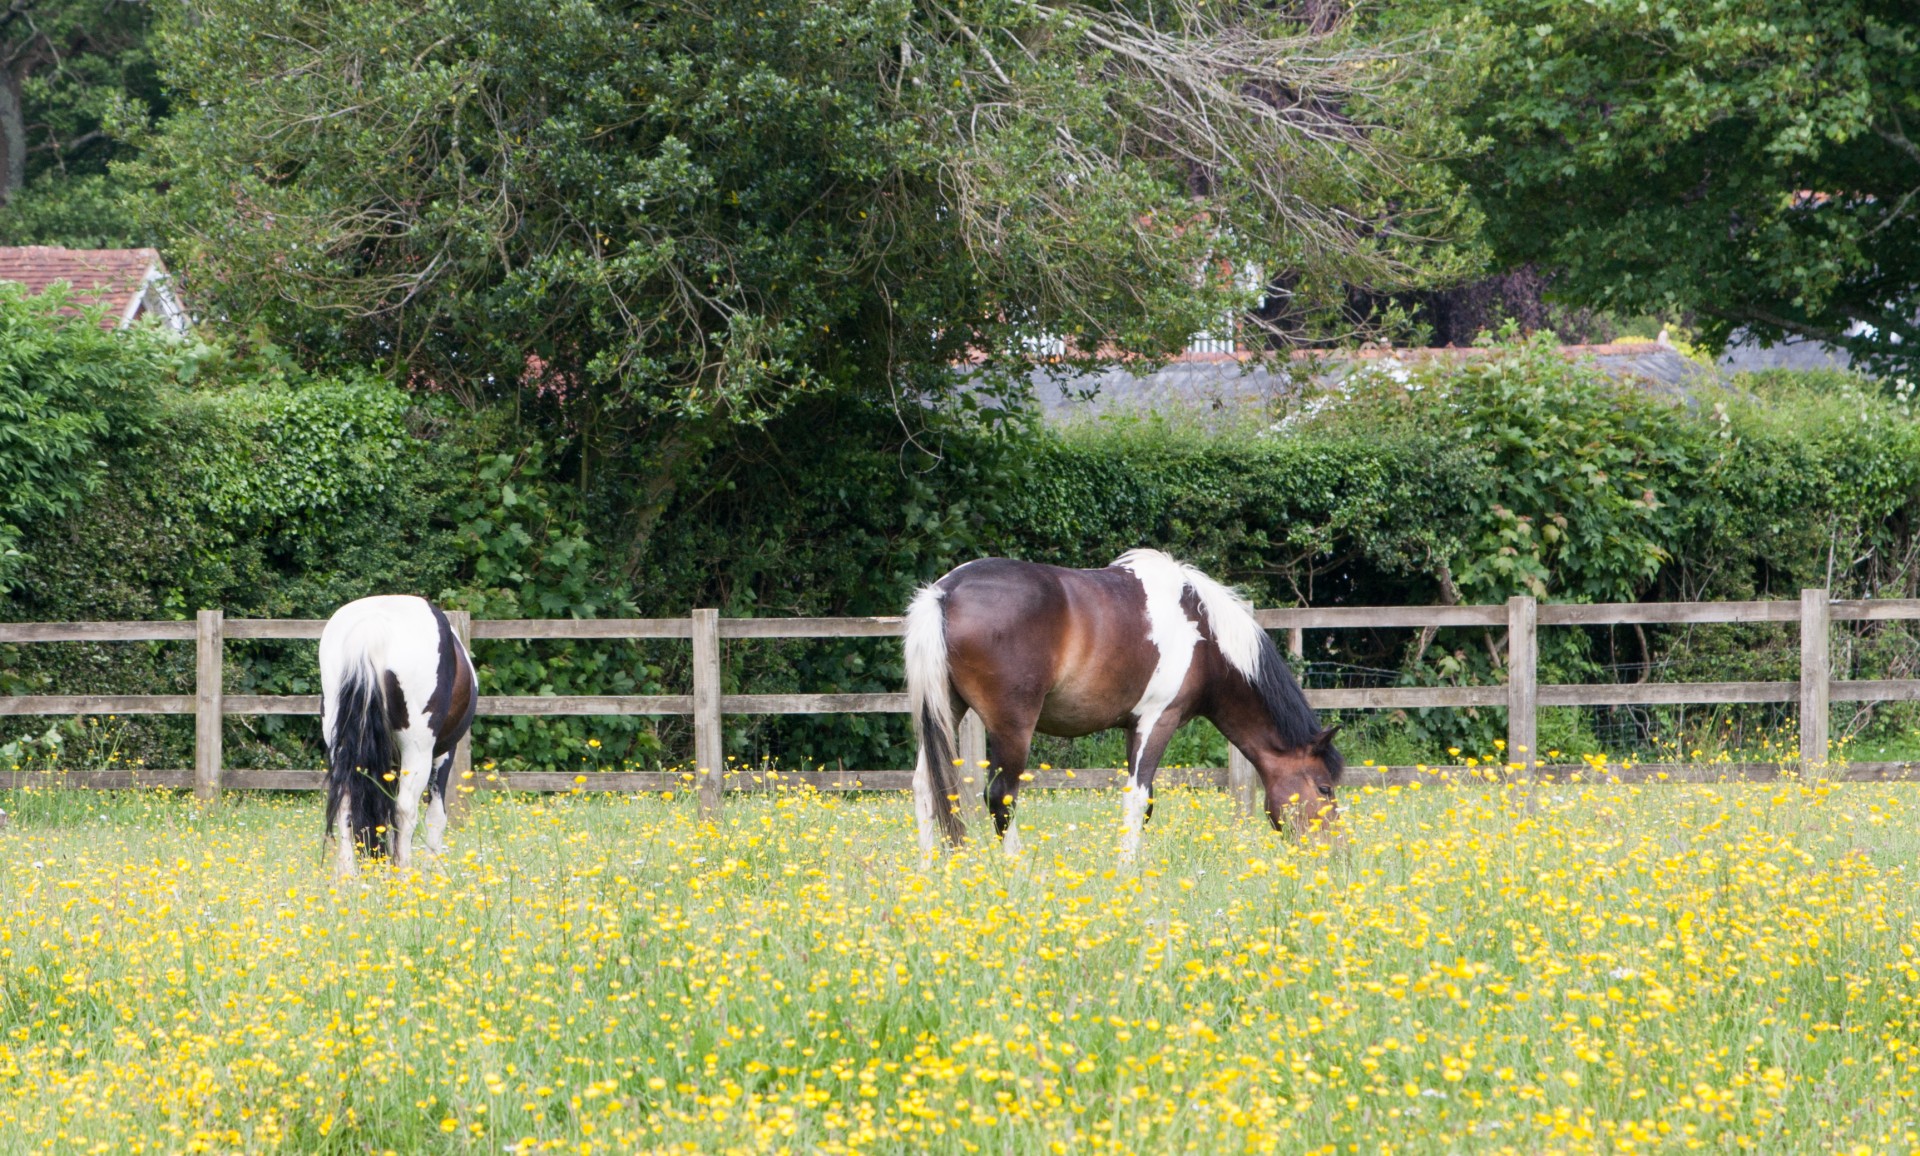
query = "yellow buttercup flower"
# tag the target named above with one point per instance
(1466, 964)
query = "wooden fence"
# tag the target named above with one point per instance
(1521, 696)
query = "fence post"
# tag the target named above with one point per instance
(1523, 681)
(208, 705)
(460, 781)
(1243, 784)
(973, 777)
(1816, 669)
(1297, 641)
(708, 760)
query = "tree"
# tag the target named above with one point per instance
(1753, 163)
(68, 69)
(666, 218)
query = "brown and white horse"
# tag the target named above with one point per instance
(397, 695)
(1146, 643)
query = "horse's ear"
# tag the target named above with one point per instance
(1324, 740)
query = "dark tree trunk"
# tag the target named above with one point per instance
(653, 491)
(13, 137)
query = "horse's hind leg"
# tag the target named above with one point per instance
(437, 805)
(416, 766)
(344, 864)
(1007, 749)
(923, 788)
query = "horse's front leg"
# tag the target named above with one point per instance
(1145, 749)
(437, 805)
(416, 767)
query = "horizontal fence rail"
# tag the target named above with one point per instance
(747, 780)
(1521, 696)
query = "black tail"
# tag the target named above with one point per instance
(358, 762)
(936, 747)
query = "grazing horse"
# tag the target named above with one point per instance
(1146, 643)
(397, 695)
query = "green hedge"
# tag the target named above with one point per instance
(249, 485)
(275, 499)
(1519, 472)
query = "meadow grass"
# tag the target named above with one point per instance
(1569, 968)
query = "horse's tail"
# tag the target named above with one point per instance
(930, 701)
(360, 755)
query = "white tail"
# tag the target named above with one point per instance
(930, 700)
(927, 660)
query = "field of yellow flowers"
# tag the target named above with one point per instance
(1569, 968)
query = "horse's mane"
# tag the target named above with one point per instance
(1287, 704)
(1249, 649)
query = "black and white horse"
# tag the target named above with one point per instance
(1146, 644)
(398, 694)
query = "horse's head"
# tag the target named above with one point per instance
(1299, 783)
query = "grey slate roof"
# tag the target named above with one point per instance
(1744, 354)
(1230, 382)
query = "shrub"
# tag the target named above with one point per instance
(242, 483)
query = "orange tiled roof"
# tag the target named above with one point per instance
(115, 278)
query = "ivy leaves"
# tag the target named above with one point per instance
(297, 458)
(522, 534)
(529, 555)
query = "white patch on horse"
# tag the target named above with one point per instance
(343, 864)
(1174, 635)
(416, 768)
(437, 817)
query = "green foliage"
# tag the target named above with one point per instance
(91, 211)
(1750, 163)
(1587, 475)
(823, 513)
(69, 391)
(831, 514)
(224, 479)
(527, 554)
(1385, 491)
(710, 211)
(83, 73)
(301, 458)
(1290, 518)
